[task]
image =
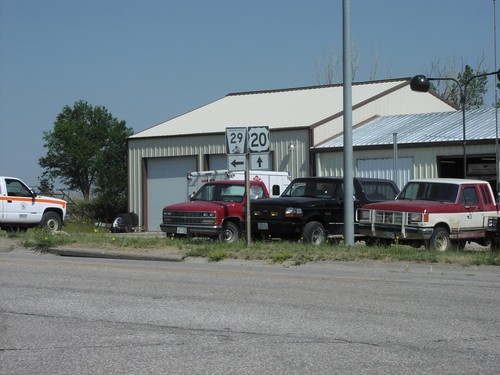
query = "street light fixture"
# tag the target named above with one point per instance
(421, 83)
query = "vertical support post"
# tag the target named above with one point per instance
(395, 158)
(497, 77)
(247, 199)
(464, 140)
(348, 153)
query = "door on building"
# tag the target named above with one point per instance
(384, 168)
(166, 184)
(217, 162)
(479, 167)
(450, 166)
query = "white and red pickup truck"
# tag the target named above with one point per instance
(21, 208)
(439, 213)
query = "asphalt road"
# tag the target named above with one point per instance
(61, 315)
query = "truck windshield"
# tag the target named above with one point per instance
(379, 190)
(224, 193)
(310, 189)
(430, 191)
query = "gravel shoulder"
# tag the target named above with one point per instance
(8, 244)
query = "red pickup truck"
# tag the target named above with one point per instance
(216, 211)
(438, 213)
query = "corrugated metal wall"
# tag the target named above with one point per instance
(291, 154)
(424, 158)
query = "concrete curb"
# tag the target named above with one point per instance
(86, 253)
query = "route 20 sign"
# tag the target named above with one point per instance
(253, 140)
(258, 139)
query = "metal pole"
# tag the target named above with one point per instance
(497, 147)
(247, 199)
(395, 158)
(464, 139)
(348, 157)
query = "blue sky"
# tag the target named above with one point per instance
(147, 61)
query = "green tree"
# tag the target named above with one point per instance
(87, 151)
(474, 89)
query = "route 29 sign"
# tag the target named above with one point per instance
(255, 139)
(236, 141)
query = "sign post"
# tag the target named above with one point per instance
(245, 148)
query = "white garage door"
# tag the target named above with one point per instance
(167, 184)
(217, 162)
(384, 168)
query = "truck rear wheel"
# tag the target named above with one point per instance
(314, 233)
(440, 240)
(230, 233)
(51, 221)
(495, 244)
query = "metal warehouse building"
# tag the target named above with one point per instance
(299, 120)
(426, 145)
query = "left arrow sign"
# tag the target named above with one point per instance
(236, 162)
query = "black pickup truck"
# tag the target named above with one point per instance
(312, 208)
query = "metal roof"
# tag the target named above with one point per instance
(291, 108)
(421, 128)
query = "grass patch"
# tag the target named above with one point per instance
(41, 240)
(295, 253)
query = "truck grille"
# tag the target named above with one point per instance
(188, 217)
(267, 212)
(388, 217)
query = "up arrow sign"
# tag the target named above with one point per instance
(260, 161)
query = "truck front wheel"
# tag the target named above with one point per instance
(314, 233)
(230, 233)
(51, 221)
(440, 240)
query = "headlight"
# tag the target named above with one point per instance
(414, 217)
(492, 222)
(363, 215)
(293, 212)
(208, 218)
(417, 217)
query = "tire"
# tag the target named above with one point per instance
(230, 234)
(440, 240)
(51, 221)
(134, 219)
(370, 241)
(495, 245)
(124, 223)
(314, 233)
